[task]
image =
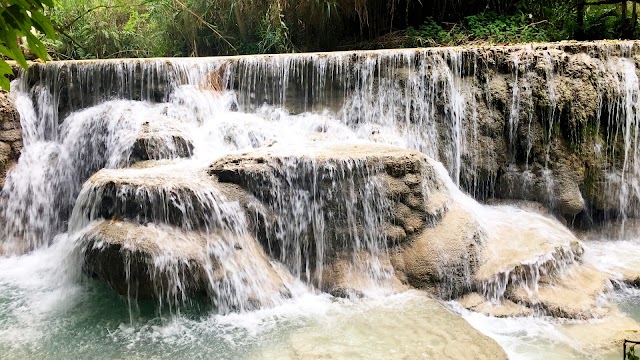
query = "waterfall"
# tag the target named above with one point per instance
(78, 117)
(252, 182)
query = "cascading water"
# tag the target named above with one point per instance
(118, 158)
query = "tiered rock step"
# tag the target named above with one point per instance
(164, 192)
(166, 230)
(534, 263)
(576, 294)
(443, 257)
(403, 188)
(162, 138)
(162, 262)
(308, 209)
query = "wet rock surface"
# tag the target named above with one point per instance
(400, 185)
(380, 216)
(546, 124)
(176, 266)
(10, 135)
(161, 139)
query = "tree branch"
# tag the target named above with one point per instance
(207, 24)
(67, 26)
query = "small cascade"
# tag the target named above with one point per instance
(168, 232)
(39, 193)
(324, 205)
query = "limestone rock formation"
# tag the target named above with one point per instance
(399, 184)
(443, 257)
(606, 334)
(419, 328)
(10, 135)
(577, 294)
(161, 139)
(157, 261)
(543, 123)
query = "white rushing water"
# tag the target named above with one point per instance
(82, 118)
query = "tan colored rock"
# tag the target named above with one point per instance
(5, 154)
(410, 220)
(442, 258)
(395, 234)
(568, 198)
(10, 135)
(350, 275)
(396, 187)
(576, 295)
(506, 308)
(16, 146)
(416, 328)
(517, 239)
(157, 261)
(162, 138)
(10, 125)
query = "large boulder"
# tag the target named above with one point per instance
(331, 206)
(162, 262)
(558, 192)
(161, 138)
(444, 257)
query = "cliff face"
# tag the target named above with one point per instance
(556, 124)
(551, 123)
(10, 135)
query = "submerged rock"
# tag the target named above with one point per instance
(605, 334)
(505, 308)
(409, 326)
(576, 294)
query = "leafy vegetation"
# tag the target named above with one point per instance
(630, 349)
(631, 354)
(145, 28)
(487, 27)
(22, 19)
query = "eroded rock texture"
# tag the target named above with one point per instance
(10, 135)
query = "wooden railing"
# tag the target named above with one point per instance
(630, 354)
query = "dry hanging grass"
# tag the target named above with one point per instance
(214, 81)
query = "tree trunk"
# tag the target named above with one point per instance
(580, 35)
(634, 18)
(240, 23)
(623, 21)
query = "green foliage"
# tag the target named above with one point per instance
(143, 28)
(494, 28)
(273, 32)
(429, 34)
(602, 22)
(487, 27)
(22, 18)
(107, 28)
(631, 354)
